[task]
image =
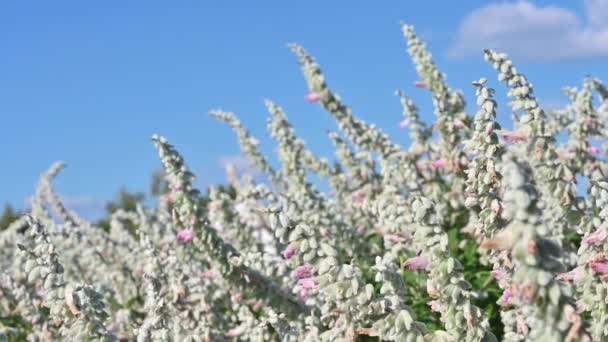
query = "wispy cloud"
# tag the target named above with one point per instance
(242, 165)
(534, 33)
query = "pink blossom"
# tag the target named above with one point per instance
(360, 229)
(577, 229)
(235, 331)
(313, 97)
(417, 262)
(254, 142)
(308, 283)
(404, 124)
(420, 84)
(186, 235)
(458, 123)
(436, 306)
(599, 267)
(522, 326)
(358, 196)
(303, 294)
(438, 163)
(593, 149)
(574, 275)
(396, 238)
(303, 271)
(499, 273)
(210, 274)
(513, 136)
(178, 188)
(598, 236)
(506, 295)
(288, 252)
(580, 306)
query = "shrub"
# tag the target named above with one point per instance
(472, 233)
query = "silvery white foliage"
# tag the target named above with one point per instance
(366, 137)
(79, 310)
(589, 278)
(446, 283)
(583, 124)
(420, 132)
(295, 160)
(554, 179)
(603, 94)
(483, 196)
(287, 330)
(342, 289)
(225, 255)
(282, 130)
(543, 307)
(155, 326)
(392, 213)
(395, 318)
(17, 298)
(453, 121)
(217, 273)
(91, 309)
(249, 145)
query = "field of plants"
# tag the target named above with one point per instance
(472, 233)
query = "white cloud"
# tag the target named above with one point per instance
(534, 33)
(242, 165)
(597, 12)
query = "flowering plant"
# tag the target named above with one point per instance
(472, 233)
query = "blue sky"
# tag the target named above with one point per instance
(90, 82)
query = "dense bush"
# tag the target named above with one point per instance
(473, 233)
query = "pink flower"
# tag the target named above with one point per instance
(186, 235)
(404, 124)
(303, 271)
(396, 238)
(599, 266)
(210, 274)
(303, 294)
(506, 295)
(178, 188)
(522, 326)
(313, 97)
(470, 153)
(417, 262)
(515, 136)
(308, 283)
(458, 123)
(438, 163)
(577, 229)
(498, 274)
(288, 252)
(436, 306)
(358, 196)
(574, 275)
(598, 236)
(420, 84)
(235, 331)
(593, 149)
